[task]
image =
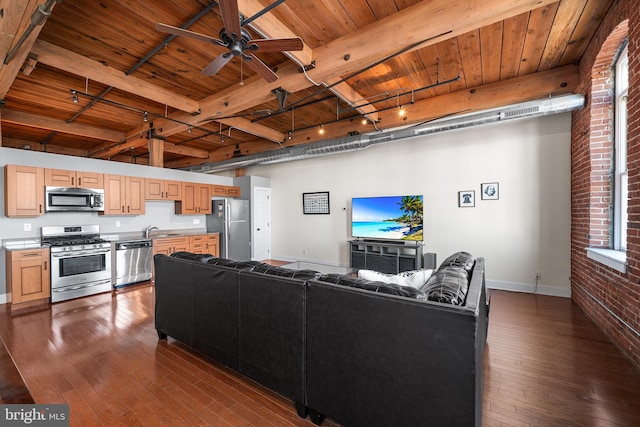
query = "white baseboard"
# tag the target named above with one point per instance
(555, 291)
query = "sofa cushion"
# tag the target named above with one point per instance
(414, 278)
(375, 286)
(448, 285)
(203, 258)
(460, 259)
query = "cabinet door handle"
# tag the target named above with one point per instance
(45, 266)
(79, 182)
(128, 209)
(72, 178)
(122, 208)
(40, 208)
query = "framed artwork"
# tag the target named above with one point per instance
(489, 191)
(466, 199)
(315, 203)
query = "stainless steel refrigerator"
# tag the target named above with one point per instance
(231, 218)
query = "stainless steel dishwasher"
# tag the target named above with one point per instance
(131, 261)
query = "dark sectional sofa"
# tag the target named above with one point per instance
(362, 353)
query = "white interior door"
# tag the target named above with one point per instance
(261, 223)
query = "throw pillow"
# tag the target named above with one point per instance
(413, 278)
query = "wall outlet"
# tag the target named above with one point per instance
(117, 223)
(304, 252)
(27, 226)
(538, 276)
(196, 221)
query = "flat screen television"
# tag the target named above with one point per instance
(387, 218)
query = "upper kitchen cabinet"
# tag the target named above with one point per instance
(123, 195)
(163, 189)
(225, 190)
(23, 191)
(66, 178)
(196, 199)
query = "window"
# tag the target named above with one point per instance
(620, 146)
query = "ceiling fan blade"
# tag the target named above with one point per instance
(261, 68)
(186, 33)
(277, 45)
(230, 17)
(217, 64)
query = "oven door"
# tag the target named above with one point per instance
(80, 267)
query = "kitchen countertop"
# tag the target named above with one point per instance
(155, 234)
(35, 243)
(22, 244)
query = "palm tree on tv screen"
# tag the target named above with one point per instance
(412, 208)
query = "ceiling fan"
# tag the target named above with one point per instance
(238, 40)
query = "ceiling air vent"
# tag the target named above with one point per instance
(510, 114)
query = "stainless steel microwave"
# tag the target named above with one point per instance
(65, 199)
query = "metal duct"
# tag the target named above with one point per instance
(543, 107)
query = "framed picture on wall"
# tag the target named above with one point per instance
(489, 191)
(466, 199)
(315, 203)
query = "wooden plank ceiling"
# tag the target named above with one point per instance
(363, 59)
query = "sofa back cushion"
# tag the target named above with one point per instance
(451, 282)
(375, 286)
(459, 259)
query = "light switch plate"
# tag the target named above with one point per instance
(27, 226)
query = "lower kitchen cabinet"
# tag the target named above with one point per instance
(28, 275)
(205, 244)
(169, 245)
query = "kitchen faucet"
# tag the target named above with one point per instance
(148, 230)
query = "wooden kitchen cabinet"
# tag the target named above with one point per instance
(205, 244)
(28, 275)
(23, 191)
(123, 195)
(225, 190)
(66, 178)
(196, 199)
(162, 189)
(169, 245)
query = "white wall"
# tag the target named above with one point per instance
(157, 213)
(526, 231)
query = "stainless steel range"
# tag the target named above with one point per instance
(80, 261)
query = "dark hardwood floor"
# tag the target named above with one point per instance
(546, 365)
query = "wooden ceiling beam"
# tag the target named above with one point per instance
(37, 146)
(421, 25)
(185, 151)
(255, 129)
(16, 18)
(79, 65)
(44, 122)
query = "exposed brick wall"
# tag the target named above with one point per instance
(610, 298)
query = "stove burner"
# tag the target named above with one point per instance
(74, 242)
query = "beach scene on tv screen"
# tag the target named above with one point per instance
(393, 217)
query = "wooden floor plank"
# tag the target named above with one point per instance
(546, 364)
